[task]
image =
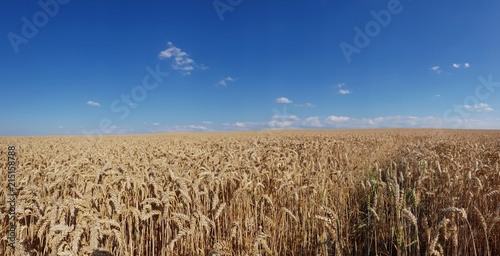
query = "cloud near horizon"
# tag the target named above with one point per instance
(293, 122)
(478, 107)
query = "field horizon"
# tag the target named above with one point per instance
(406, 129)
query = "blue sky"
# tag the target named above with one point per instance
(99, 67)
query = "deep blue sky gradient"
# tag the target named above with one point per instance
(99, 50)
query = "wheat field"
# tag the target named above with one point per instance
(357, 192)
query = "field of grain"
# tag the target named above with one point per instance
(366, 192)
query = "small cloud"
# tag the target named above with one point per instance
(60, 127)
(481, 107)
(436, 69)
(460, 65)
(224, 81)
(196, 127)
(338, 119)
(155, 124)
(279, 121)
(283, 100)
(312, 121)
(285, 117)
(181, 128)
(240, 125)
(437, 95)
(307, 105)
(93, 103)
(344, 91)
(180, 59)
(207, 122)
(280, 124)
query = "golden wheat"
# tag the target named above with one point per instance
(365, 192)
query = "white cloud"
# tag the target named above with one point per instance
(481, 107)
(345, 122)
(460, 65)
(437, 95)
(344, 91)
(180, 59)
(240, 125)
(279, 121)
(338, 119)
(283, 100)
(412, 122)
(287, 122)
(307, 105)
(312, 121)
(93, 103)
(280, 124)
(224, 81)
(196, 127)
(285, 117)
(419, 122)
(180, 128)
(152, 124)
(207, 122)
(383, 122)
(436, 69)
